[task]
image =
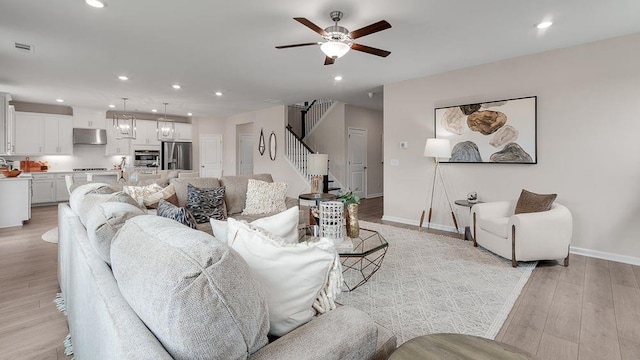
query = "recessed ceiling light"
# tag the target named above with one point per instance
(154, 110)
(337, 78)
(544, 24)
(95, 3)
(123, 77)
(218, 93)
(176, 86)
(189, 114)
(111, 106)
(60, 100)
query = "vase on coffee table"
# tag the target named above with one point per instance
(353, 228)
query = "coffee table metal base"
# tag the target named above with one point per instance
(362, 266)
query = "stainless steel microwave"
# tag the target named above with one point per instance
(146, 157)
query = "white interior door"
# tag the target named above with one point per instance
(245, 154)
(357, 154)
(211, 155)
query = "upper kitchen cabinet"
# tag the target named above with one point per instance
(116, 146)
(6, 124)
(183, 132)
(58, 139)
(29, 134)
(146, 133)
(43, 134)
(90, 121)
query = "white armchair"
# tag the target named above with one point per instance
(523, 237)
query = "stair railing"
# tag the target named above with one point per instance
(297, 152)
(314, 113)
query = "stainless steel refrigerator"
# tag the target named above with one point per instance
(176, 155)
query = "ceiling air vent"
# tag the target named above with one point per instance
(23, 47)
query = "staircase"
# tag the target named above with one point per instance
(313, 115)
(297, 151)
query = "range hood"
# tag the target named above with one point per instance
(89, 136)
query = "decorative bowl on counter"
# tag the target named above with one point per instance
(12, 173)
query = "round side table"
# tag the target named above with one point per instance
(318, 199)
(466, 203)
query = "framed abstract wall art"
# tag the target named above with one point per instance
(502, 131)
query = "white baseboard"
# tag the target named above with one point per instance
(606, 256)
(448, 228)
(574, 250)
(371, 196)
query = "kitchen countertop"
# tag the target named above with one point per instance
(74, 172)
(23, 176)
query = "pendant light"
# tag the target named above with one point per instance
(125, 124)
(166, 128)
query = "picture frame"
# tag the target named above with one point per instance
(495, 132)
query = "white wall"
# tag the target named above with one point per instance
(588, 139)
(272, 119)
(362, 118)
(204, 126)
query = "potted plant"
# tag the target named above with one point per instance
(351, 201)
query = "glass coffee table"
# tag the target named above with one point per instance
(360, 257)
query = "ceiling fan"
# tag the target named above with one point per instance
(338, 40)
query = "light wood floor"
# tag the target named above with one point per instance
(30, 325)
(590, 310)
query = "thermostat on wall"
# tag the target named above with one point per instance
(404, 145)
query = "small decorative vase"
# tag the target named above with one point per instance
(353, 228)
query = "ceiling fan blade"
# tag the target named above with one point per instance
(329, 61)
(367, 30)
(295, 45)
(311, 25)
(370, 50)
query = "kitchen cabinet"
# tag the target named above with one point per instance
(62, 194)
(11, 130)
(58, 139)
(146, 133)
(183, 132)
(90, 122)
(116, 146)
(43, 188)
(16, 196)
(7, 113)
(30, 130)
(29, 134)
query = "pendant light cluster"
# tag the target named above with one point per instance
(165, 127)
(125, 124)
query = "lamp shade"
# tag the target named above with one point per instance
(438, 148)
(335, 49)
(317, 164)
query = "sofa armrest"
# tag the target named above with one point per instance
(541, 234)
(493, 209)
(343, 333)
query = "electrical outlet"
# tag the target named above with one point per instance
(394, 162)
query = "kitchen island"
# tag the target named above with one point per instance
(15, 195)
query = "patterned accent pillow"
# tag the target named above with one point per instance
(151, 200)
(179, 214)
(265, 198)
(531, 202)
(206, 203)
(138, 193)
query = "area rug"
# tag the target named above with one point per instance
(51, 236)
(436, 284)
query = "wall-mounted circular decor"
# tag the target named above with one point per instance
(273, 146)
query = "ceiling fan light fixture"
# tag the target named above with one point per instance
(335, 49)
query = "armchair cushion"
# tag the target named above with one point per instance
(531, 202)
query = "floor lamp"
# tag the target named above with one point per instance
(438, 148)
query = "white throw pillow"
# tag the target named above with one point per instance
(284, 224)
(264, 197)
(151, 200)
(297, 278)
